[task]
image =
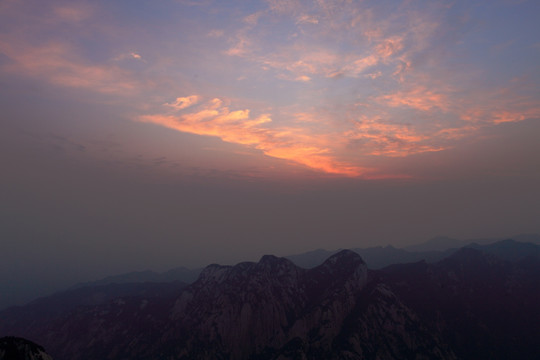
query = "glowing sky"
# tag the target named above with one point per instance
(335, 86)
(397, 120)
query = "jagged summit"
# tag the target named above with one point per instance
(272, 262)
(213, 273)
(269, 259)
(344, 256)
(344, 260)
(345, 270)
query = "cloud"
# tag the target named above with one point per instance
(252, 19)
(303, 78)
(42, 50)
(239, 127)
(57, 63)
(346, 42)
(388, 47)
(295, 63)
(242, 46)
(374, 75)
(418, 98)
(74, 13)
(184, 102)
(512, 103)
(307, 19)
(368, 82)
(378, 137)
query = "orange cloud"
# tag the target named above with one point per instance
(419, 99)
(389, 47)
(184, 102)
(307, 19)
(507, 116)
(503, 105)
(393, 140)
(238, 127)
(456, 133)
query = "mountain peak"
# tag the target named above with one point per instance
(345, 267)
(268, 258)
(344, 256)
(276, 265)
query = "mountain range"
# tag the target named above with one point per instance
(480, 301)
(376, 257)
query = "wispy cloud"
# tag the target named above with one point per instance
(418, 98)
(59, 65)
(239, 127)
(40, 49)
(184, 102)
(378, 137)
(74, 13)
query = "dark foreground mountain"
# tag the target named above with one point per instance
(471, 305)
(484, 307)
(13, 348)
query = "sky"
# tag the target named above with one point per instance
(153, 134)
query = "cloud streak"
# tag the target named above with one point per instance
(239, 127)
(58, 64)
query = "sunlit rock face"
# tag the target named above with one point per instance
(15, 348)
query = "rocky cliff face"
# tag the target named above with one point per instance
(273, 309)
(14, 348)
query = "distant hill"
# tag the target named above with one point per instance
(431, 251)
(442, 243)
(510, 250)
(439, 243)
(376, 257)
(177, 274)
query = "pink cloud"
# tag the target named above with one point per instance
(239, 127)
(394, 140)
(57, 64)
(419, 98)
(184, 102)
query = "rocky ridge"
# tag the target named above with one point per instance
(471, 305)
